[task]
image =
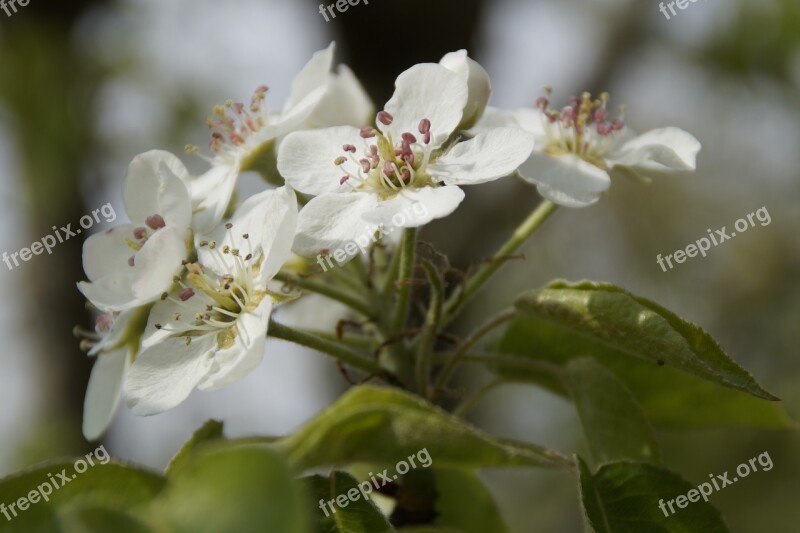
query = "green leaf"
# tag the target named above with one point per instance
(209, 432)
(465, 504)
(669, 397)
(385, 426)
(612, 420)
(93, 519)
(241, 488)
(356, 515)
(638, 327)
(113, 485)
(624, 497)
(429, 529)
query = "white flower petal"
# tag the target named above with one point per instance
(566, 179)
(328, 222)
(108, 252)
(254, 144)
(278, 231)
(164, 375)
(313, 312)
(492, 118)
(269, 219)
(157, 263)
(111, 293)
(298, 116)
(103, 393)
(478, 83)
(306, 159)
(487, 157)
(212, 193)
(314, 74)
(164, 312)
(156, 185)
(427, 91)
(415, 208)
(118, 332)
(345, 104)
(530, 120)
(666, 149)
(235, 363)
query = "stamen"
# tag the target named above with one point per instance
(104, 322)
(424, 126)
(155, 222)
(186, 294)
(409, 138)
(385, 118)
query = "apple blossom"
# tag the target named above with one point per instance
(244, 136)
(131, 265)
(211, 331)
(114, 344)
(579, 146)
(367, 176)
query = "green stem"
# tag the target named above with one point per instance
(359, 342)
(428, 338)
(543, 369)
(470, 402)
(472, 340)
(334, 349)
(360, 271)
(479, 279)
(391, 274)
(347, 277)
(327, 290)
(407, 259)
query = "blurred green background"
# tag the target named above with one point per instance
(86, 85)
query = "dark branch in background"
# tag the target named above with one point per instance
(47, 91)
(382, 39)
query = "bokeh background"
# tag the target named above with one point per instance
(85, 85)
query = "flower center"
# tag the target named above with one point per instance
(582, 128)
(388, 166)
(226, 296)
(234, 122)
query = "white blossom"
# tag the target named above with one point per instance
(131, 265)
(366, 177)
(211, 331)
(579, 147)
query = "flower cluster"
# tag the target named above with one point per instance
(183, 293)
